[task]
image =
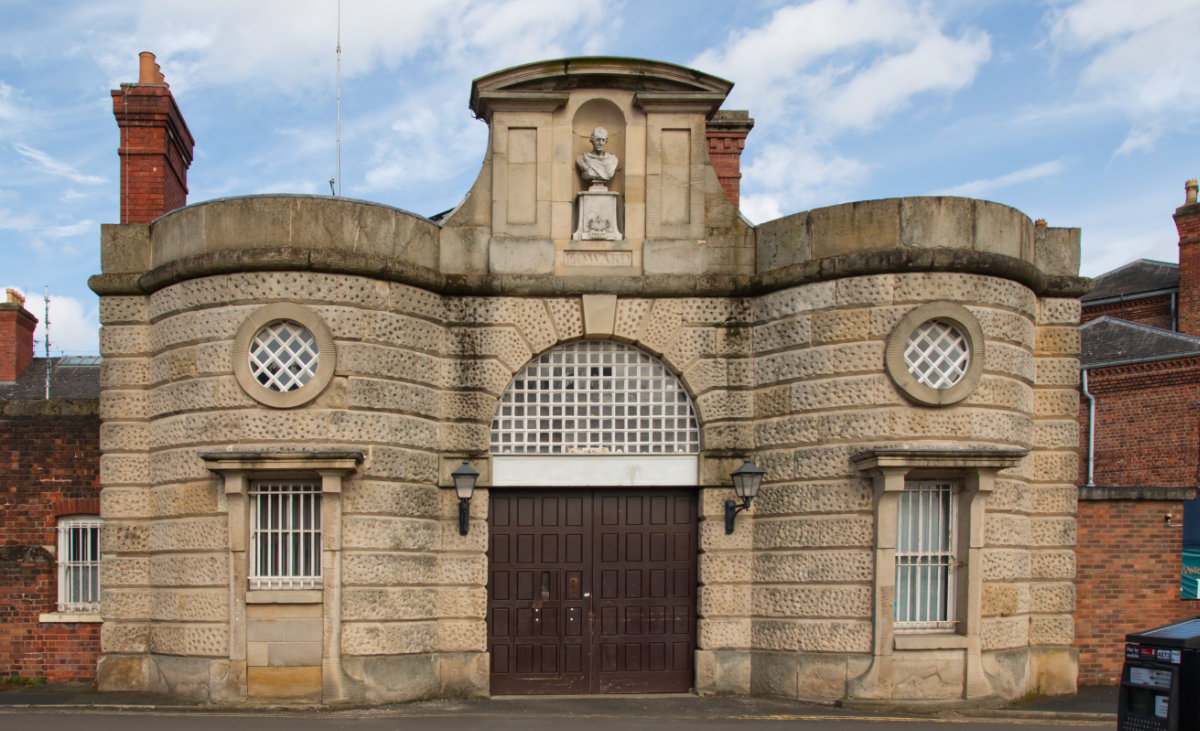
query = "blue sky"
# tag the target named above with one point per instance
(1082, 112)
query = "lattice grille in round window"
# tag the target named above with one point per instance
(284, 356)
(937, 354)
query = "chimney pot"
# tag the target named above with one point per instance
(147, 69)
(1190, 191)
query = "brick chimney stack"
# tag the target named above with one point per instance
(156, 146)
(16, 337)
(726, 133)
(1187, 222)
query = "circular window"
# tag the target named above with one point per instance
(935, 354)
(283, 355)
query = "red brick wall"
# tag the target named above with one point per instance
(49, 466)
(1152, 311)
(1128, 560)
(16, 341)
(1187, 222)
(156, 150)
(1147, 424)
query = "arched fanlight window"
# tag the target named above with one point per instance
(595, 397)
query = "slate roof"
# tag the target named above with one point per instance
(1138, 277)
(1109, 341)
(71, 377)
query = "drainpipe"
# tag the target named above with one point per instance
(1091, 448)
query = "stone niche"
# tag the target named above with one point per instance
(522, 216)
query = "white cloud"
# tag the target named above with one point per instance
(1143, 60)
(69, 230)
(977, 188)
(74, 326)
(17, 221)
(47, 164)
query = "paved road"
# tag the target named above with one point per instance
(573, 714)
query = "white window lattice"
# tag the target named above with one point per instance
(937, 354)
(79, 564)
(285, 535)
(925, 555)
(284, 356)
(595, 397)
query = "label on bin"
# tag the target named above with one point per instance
(1150, 677)
(1161, 706)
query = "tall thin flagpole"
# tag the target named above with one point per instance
(339, 99)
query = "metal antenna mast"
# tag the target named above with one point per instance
(338, 175)
(46, 300)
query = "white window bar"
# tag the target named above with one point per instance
(595, 397)
(79, 564)
(925, 555)
(285, 524)
(937, 354)
(284, 356)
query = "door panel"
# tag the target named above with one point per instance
(592, 590)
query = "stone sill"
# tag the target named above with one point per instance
(69, 617)
(285, 596)
(939, 641)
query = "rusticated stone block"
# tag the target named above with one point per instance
(124, 437)
(185, 499)
(712, 535)
(1053, 532)
(823, 463)
(716, 405)
(124, 405)
(814, 532)
(1061, 372)
(388, 604)
(189, 569)
(124, 571)
(1058, 341)
(372, 568)
(1007, 326)
(177, 465)
(461, 570)
(1010, 496)
(399, 331)
(788, 431)
(1046, 466)
(411, 300)
(1001, 392)
(999, 633)
(717, 311)
(812, 602)
(723, 600)
(503, 343)
(379, 361)
(661, 326)
(1006, 564)
(190, 640)
(715, 634)
(462, 635)
(121, 637)
(837, 326)
(884, 319)
(390, 499)
(851, 392)
(817, 566)
(461, 602)
(117, 536)
(404, 465)
(389, 638)
(1058, 311)
(567, 315)
(124, 372)
(811, 635)
(803, 299)
(774, 401)
(795, 332)
(1011, 361)
(1048, 499)
(486, 375)
(630, 314)
(125, 502)
(126, 604)
(190, 605)
(393, 396)
(393, 534)
(710, 373)
(691, 344)
(1053, 598)
(876, 289)
(124, 340)
(1051, 564)
(1005, 600)
(718, 568)
(124, 310)
(1052, 402)
(728, 435)
(1007, 530)
(189, 534)
(842, 496)
(1051, 630)
(214, 359)
(202, 292)
(339, 289)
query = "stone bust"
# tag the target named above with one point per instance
(597, 167)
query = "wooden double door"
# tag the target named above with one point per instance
(592, 590)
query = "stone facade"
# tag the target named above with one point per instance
(778, 334)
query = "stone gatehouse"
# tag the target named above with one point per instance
(290, 383)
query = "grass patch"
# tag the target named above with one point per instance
(18, 681)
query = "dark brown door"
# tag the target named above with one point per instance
(592, 591)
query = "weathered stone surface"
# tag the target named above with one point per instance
(190, 605)
(403, 465)
(839, 326)
(395, 678)
(380, 361)
(461, 570)
(503, 343)
(1052, 564)
(1058, 311)
(772, 336)
(121, 637)
(124, 405)
(177, 465)
(1050, 500)
(1006, 564)
(1058, 597)
(461, 602)
(411, 300)
(390, 499)
(818, 566)
(1007, 530)
(811, 635)
(868, 290)
(1052, 402)
(804, 299)
(998, 633)
(125, 604)
(1004, 325)
(1061, 372)
(124, 340)
(812, 532)
(125, 469)
(119, 536)
(812, 602)
(630, 315)
(388, 604)
(389, 638)
(691, 344)
(723, 404)
(185, 499)
(462, 635)
(389, 534)
(125, 502)
(1010, 496)
(661, 326)
(713, 634)
(167, 569)
(389, 329)
(1004, 600)
(722, 671)
(124, 571)
(1053, 532)
(1058, 341)
(567, 316)
(1010, 360)
(189, 534)
(843, 496)
(1051, 630)
(124, 310)
(395, 396)
(861, 392)
(124, 372)
(374, 568)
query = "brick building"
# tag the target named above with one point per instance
(1140, 456)
(49, 507)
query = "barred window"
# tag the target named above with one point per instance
(926, 558)
(595, 397)
(938, 354)
(284, 355)
(79, 563)
(285, 535)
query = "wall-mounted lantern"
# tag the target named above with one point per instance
(746, 481)
(464, 484)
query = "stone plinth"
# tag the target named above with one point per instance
(597, 211)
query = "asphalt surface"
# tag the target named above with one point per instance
(54, 707)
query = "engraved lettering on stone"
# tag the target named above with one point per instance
(598, 258)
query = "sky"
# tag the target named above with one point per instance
(1082, 112)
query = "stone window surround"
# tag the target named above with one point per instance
(897, 341)
(890, 469)
(326, 359)
(237, 470)
(61, 617)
